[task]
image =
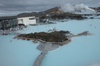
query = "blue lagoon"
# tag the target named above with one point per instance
(81, 51)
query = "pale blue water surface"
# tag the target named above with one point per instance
(82, 51)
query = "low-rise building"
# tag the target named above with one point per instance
(12, 21)
(8, 22)
(26, 19)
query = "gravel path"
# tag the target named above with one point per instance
(39, 59)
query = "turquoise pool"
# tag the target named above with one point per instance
(82, 51)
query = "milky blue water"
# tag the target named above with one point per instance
(82, 51)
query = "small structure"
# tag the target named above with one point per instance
(26, 19)
(8, 22)
(21, 19)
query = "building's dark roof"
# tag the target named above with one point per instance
(8, 17)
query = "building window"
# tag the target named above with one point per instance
(31, 18)
(21, 20)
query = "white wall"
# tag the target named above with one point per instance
(27, 20)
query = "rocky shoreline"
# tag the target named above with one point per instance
(56, 37)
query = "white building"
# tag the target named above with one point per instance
(27, 20)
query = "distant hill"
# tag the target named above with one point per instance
(27, 14)
(77, 9)
(55, 10)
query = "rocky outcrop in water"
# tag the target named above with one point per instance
(56, 37)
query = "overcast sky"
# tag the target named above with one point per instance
(12, 7)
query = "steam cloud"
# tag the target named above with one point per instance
(78, 8)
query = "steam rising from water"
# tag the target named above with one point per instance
(78, 8)
(67, 8)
